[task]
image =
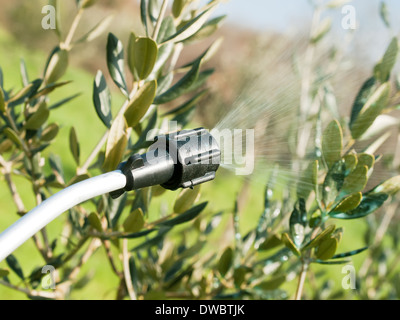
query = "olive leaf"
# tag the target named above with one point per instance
(326, 249)
(384, 67)
(332, 143)
(116, 143)
(186, 199)
(370, 111)
(139, 105)
(94, 221)
(225, 261)
(115, 62)
(74, 145)
(134, 222)
(102, 99)
(142, 56)
(57, 65)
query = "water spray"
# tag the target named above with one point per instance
(181, 159)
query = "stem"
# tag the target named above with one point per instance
(107, 247)
(127, 274)
(72, 30)
(160, 19)
(103, 140)
(32, 293)
(302, 279)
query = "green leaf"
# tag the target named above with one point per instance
(383, 69)
(369, 204)
(49, 88)
(272, 284)
(356, 180)
(78, 178)
(102, 99)
(208, 29)
(74, 145)
(24, 73)
(365, 159)
(139, 105)
(390, 187)
(308, 181)
(290, 244)
(270, 243)
(326, 248)
(189, 215)
(94, 221)
(326, 233)
(14, 265)
(191, 27)
(351, 162)
(186, 199)
(25, 93)
(349, 254)
(36, 120)
(2, 101)
(384, 12)
(188, 104)
(142, 56)
(97, 30)
(143, 15)
(134, 222)
(4, 273)
(177, 7)
(367, 89)
(116, 144)
(57, 66)
(321, 30)
(370, 111)
(225, 261)
(332, 143)
(115, 62)
(13, 136)
(349, 203)
(84, 4)
(333, 183)
(63, 101)
(298, 222)
(164, 51)
(182, 86)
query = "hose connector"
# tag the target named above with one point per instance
(180, 159)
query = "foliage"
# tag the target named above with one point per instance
(171, 256)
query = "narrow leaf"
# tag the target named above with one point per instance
(74, 145)
(134, 222)
(102, 99)
(189, 215)
(115, 62)
(116, 143)
(225, 261)
(14, 265)
(139, 105)
(332, 143)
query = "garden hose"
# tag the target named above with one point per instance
(181, 159)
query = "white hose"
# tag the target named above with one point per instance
(48, 210)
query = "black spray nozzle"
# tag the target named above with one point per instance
(181, 159)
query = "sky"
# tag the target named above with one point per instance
(290, 16)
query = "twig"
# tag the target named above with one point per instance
(32, 293)
(302, 279)
(160, 19)
(107, 247)
(127, 274)
(67, 43)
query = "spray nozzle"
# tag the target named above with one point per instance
(181, 159)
